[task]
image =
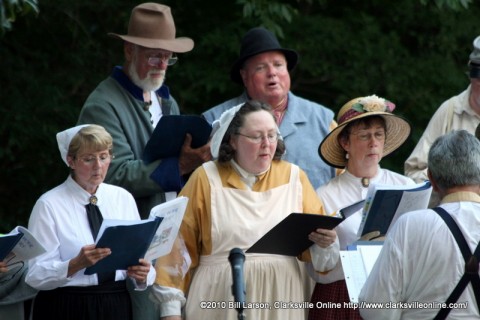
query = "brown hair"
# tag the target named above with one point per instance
(226, 152)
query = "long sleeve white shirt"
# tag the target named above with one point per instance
(421, 263)
(454, 114)
(344, 190)
(59, 221)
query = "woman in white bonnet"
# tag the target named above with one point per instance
(233, 202)
(59, 221)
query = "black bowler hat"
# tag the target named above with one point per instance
(259, 40)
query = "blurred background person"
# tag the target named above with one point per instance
(458, 112)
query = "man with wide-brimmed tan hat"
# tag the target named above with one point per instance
(263, 69)
(458, 112)
(129, 104)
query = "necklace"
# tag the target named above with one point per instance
(365, 182)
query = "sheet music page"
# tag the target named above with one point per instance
(355, 274)
(369, 256)
(27, 248)
(107, 223)
(411, 201)
(172, 213)
(357, 265)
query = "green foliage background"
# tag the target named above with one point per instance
(414, 54)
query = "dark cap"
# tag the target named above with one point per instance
(259, 40)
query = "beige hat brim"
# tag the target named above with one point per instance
(177, 45)
(398, 130)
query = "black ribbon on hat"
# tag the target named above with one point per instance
(95, 220)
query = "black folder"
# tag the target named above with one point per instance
(383, 210)
(290, 236)
(128, 244)
(169, 134)
(7, 243)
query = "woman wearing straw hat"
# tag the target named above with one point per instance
(233, 202)
(367, 131)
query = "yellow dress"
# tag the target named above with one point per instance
(223, 214)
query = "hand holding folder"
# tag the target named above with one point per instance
(169, 134)
(290, 236)
(128, 240)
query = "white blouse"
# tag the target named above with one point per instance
(344, 190)
(59, 221)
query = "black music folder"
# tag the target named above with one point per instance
(167, 138)
(290, 236)
(128, 242)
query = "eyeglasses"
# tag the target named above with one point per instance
(103, 158)
(168, 59)
(271, 137)
(366, 136)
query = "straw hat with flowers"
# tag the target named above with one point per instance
(397, 128)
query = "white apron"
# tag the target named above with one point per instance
(239, 219)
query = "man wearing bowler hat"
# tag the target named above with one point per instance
(129, 104)
(263, 69)
(458, 112)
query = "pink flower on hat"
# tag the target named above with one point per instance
(373, 103)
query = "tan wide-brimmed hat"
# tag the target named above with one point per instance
(397, 128)
(151, 25)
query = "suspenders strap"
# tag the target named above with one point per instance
(471, 265)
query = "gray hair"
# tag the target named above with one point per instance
(454, 160)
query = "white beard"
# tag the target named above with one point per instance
(147, 84)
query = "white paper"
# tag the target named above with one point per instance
(411, 201)
(106, 223)
(172, 213)
(27, 248)
(357, 265)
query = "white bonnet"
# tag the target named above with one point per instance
(65, 137)
(220, 126)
